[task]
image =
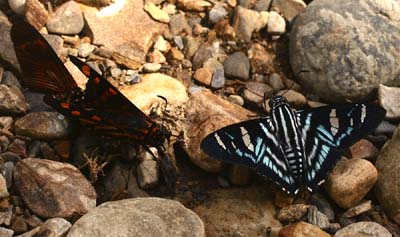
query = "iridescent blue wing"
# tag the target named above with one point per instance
(253, 144)
(326, 131)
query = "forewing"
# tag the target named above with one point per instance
(326, 131)
(42, 70)
(251, 143)
(109, 105)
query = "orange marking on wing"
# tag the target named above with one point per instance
(86, 70)
(64, 105)
(112, 91)
(76, 113)
(96, 80)
(96, 118)
(40, 43)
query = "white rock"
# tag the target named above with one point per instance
(276, 23)
(17, 6)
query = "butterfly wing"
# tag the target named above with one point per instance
(327, 130)
(253, 144)
(42, 70)
(108, 104)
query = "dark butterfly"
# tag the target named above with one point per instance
(294, 148)
(100, 106)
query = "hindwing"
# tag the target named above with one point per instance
(326, 131)
(253, 144)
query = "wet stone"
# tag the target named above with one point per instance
(237, 65)
(53, 189)
(42, 125)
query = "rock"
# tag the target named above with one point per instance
(53, 189)
(33, 221)
(389, 99)
(194, 5)
(203, 75)
(156, 13)
(42, 125)
(151, 67)
(3, 187)
(7, 53)
(292, 213)
(364, 228)
(323, 205)
(218, 79)
(35, 13)
(339, 71)
(289, 8)
(363, 149)
(56, 43)
(317, 218)
(161, 44)
(85, 49)
(237, 65)
(10, 80)
(387, 188)
(276, 24)
(128, 33)
(6, 215)
(17, 6)
(238, 212)
(256, 92)
(205, 113)
(139, 217)
(359, 209)
(236, 99)
(147, 170)
(54, 227)
(7, 170)
(202, 55)
(178, 41)
(239, 175)
(301, 229)
(261, 60)
(178, 24)
(157, 57)
(385, 128)
(350, 181)
(6, 232)
(294, 98)
(191, 46)
(246, 21)
(67, 19)
(18, 147)
(217, 13)
(176, 54)
(275, 81)
(18, 225)
(12, 101)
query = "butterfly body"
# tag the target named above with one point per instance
(294, 148)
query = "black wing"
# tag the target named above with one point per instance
(253, 144)
(42, 70)
(327, 130)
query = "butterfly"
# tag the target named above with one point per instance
(294, 148)
(99, 106)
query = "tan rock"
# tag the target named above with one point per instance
(246, 21)
(53, 189)
(363, 229)
(157, 57)
(289, 8)
(156, 13)
(203, 75)
(248, 211)
(364, 149)
(389, 99)
(194, 5)
(350, 181)
(124, 28)
(293, 212)
(35, 13)
(301, 229)
(205, 113)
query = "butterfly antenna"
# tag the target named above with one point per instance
(164, 112)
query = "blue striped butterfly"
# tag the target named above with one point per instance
(294, 148)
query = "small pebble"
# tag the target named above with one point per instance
(151, 67)
(218, 79)
(237, 99)
(85, 50)
(178, 42)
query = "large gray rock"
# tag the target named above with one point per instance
(387, 188)
(347, 47)
(139, 217)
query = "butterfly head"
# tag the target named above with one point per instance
(276, 101)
